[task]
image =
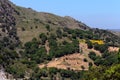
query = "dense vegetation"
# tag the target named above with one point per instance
(21, 60)
(25, 62)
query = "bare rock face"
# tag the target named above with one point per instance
(7, 24)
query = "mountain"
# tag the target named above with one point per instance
(7, 22)
(35, 23)
(8, 32)
(31, 39)
(115, 31)
(8, 35)
(29, 19)
(31, 16)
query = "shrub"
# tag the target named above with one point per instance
(89, 43)
(48, 27)
(85, 60)
(43, 37)
(92, 55)
(23, 29)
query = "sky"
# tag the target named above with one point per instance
(104, 14)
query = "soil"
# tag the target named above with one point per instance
(72, 61)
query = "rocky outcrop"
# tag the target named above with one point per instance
(8, 33)
(7, 24)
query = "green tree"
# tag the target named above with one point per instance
(17, 69)
(53, 70)
(113, 73)
(92, 55)
(119, 56)
(89, 43)
(43, 37)
(59, 33)
(48, 27)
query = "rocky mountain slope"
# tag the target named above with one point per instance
(7, 23)
(33, 23)
(61, 35)
(8, 35)
(26, 22)
(116, 31)
(27, 15)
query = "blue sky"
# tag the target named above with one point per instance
(95, 13)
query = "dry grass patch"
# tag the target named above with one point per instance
(113, 49)
(29, 34)
(73, 62)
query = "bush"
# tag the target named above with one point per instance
(17, 69)
(66, 73)
(23, 29)
(82, 67)
(85, 60)
(101, 48)
(48, 27)
(89, 43)
(59, 33)
(90, 64)
(92, 55)
(53, 70)
(43, 38)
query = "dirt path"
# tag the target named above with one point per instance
(47, 46)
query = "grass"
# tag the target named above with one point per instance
(29, 34)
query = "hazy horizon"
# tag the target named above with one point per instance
(103, 14)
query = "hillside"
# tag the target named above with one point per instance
(116, 32)
(8, 33)
(34, 23)
(7, 22)
(43, 46)
(75, 61)
(30, 24)
(27, 15)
